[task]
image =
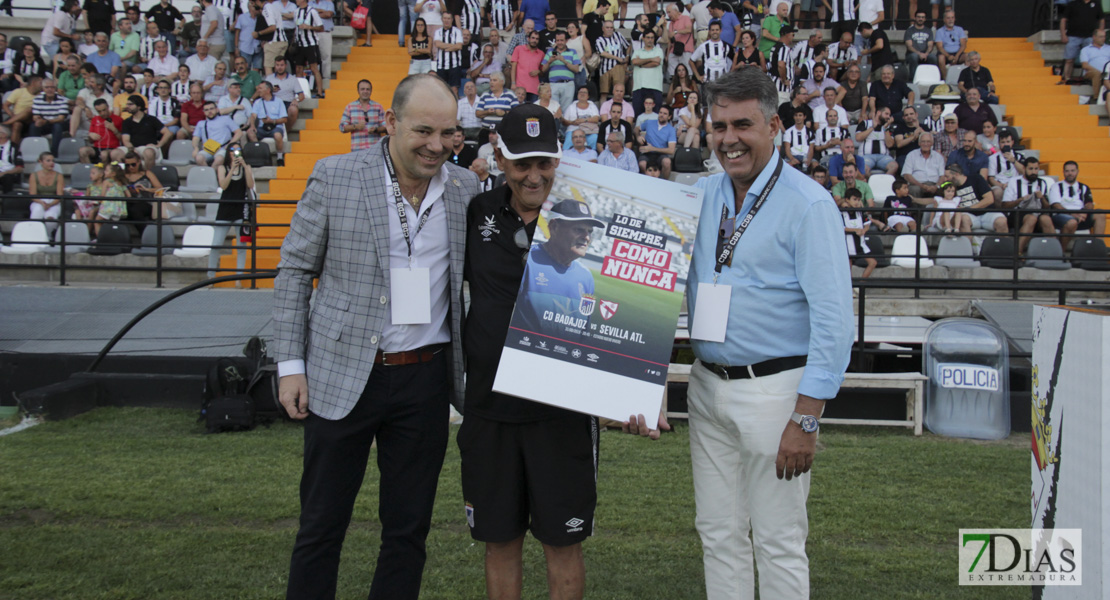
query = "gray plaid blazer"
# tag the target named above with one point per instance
(340, 233)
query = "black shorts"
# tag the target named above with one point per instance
(539, 476)
(305, 56)
(453, 77)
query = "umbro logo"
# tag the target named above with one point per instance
(488, 228)
(574, 524)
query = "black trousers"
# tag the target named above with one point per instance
(406, 409)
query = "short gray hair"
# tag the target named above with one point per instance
(973, 54)
(745, 84)
(617, 134)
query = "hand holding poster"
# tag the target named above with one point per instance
(602, 288)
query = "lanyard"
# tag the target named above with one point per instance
(730, 247)
(400, 203)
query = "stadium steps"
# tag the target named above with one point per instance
(1051, 118)
(385, 64)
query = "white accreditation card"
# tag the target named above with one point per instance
(412, 295)
(711, 316)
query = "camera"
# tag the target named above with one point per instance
(236, 153)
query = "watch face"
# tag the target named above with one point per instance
(809, 423)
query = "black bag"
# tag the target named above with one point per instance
(226, 404)
(263, 385)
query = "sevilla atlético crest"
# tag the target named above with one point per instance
(608, 309)
(586, 305)
(532, 127)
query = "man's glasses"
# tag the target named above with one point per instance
(131, 164)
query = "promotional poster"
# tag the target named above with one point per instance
(595, 318)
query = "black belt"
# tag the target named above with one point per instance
(408, 357)
(762, 369)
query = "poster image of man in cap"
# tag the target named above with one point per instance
(526, 466)
(554, 282)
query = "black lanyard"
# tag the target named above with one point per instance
(726, 253)
(400, 202)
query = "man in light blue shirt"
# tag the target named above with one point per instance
(782, 308)
(249, 47)
(212, 135)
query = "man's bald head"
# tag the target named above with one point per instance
(425, 85)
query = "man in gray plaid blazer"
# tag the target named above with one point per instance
(378, 354)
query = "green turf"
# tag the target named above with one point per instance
(137, 503)
(653, 314)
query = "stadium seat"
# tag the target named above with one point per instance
(877, 251)
(956, 253)
(68, 151)
(114, 238)
(997, 252)
(201, 180)
(882, 185)
(953, 75)
(16, 207)
(1090, 254)
(181, 153)
(77, 239)
(31, 147)
(1046, 253)
(902, 255)
(257, 154)
(150, 241)
(17, 43)
(197, 242)
(685, 178)
(28, 237)
(79, 178)
(687, 160)
(927, 74)
(167, 176)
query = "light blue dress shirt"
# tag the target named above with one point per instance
(791, 284)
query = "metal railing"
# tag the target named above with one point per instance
(62, 246)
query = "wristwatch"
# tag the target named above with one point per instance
(809, 423)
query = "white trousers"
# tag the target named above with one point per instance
(735, 430)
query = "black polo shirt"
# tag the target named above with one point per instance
(100, 14)
(892, 97)
(165, 16)
(900, 128)
(786, 114)
(146, 131)
(494, 268)
(1083, 17)
(465, 157)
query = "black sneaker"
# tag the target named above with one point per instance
(281, 161)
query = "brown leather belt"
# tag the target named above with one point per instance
(408, 357)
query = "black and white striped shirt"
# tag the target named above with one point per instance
(501, 14)
(306, 37)
(876, 140)
(842, 56)
(146, 47)
(7, 61)
(827, 133)
(180, 90)
(801, 54)
(148, 91)
(1002, 169)
(781, 53)
(616, 45)
(842, 10)
(1072, 196)
(448, 59)
(271, 13)
(227, 10)
(1021, 187)
(797, 140)
(716, 57)
(933, 125)
(470, 14)
(164, 110)
(9, 156)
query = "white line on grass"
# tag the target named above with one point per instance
(27, 423)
